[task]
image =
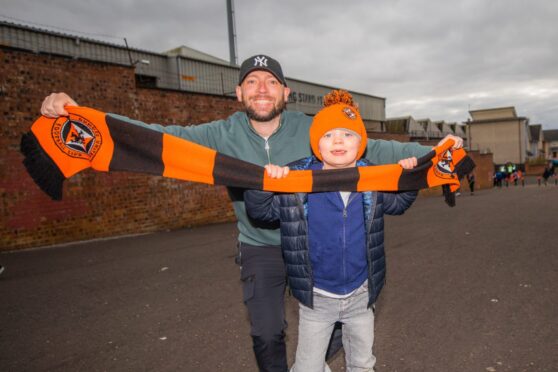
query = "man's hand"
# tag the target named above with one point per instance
(458, 141)
(275, 171)
(53, 105)
(408, 163)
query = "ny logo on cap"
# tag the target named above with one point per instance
(260, 61)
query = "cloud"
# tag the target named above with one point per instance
(432, 58)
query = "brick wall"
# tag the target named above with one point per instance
(484, 171)
(99, 205)
(534, 169)
(96, 205)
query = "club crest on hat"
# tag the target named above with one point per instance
(349, 113)
(260, 61)
(444, 167)
(76, 136)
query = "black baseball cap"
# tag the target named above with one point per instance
(261, 62)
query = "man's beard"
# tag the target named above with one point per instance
(276, 111)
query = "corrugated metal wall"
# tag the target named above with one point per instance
(173, 72)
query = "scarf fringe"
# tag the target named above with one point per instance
(41, 167)
(464, 167)
(449, 196)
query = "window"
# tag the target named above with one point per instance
(146, 81)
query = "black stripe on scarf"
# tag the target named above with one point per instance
(230, 171)
(335, 179)
(126, 157)
(414, 179)
(41, 167)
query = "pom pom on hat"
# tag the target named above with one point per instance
(339, 96)
(339, 112)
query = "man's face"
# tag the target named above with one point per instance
(339, 148)
(263, 96)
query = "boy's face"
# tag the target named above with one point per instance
(339, 148)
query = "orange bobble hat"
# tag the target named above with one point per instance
(339, 112)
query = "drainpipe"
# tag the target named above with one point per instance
(179, 72)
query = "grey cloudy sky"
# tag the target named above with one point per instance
(431, 58)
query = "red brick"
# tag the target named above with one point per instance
(96, 204)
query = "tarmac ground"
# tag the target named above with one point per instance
(469, 288)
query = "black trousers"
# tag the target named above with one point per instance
(263, 284)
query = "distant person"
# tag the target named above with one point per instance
(521, 177)
(548, 171)
(498, 177)
(551, 167)
(263, 132)
(332, 241)
(546, 175)
(471, 181)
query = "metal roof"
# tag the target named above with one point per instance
(183, 68)
(550, 135)
(535, 130)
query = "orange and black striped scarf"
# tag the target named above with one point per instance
(56, 149)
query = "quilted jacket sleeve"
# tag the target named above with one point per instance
(398, 202)
(262, 205)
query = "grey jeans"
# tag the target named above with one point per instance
(315, 326)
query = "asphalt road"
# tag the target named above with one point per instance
(470, 288)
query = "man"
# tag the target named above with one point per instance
(263, 134)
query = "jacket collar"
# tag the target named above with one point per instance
(312, 163)
(247, 122)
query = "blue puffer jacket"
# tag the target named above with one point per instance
(291, 211)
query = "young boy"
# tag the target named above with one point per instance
(332, 242)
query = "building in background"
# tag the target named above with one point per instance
(444, 128)
(407, 125)
(550, 139)
(431, 130)
(459, 130)
(182, 69)
(180, 86)
(502, 132)
(536, 145)
(424, 131)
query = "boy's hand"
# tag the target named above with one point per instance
(408, 163)
(275, 171)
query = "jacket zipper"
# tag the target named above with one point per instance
(267, 148)
(344, 248)
(344, 258)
